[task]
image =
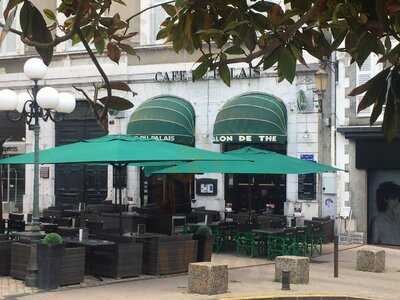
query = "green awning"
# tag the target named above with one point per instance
(117, 150)
(252, 118)
(167, 118)
(255, 161)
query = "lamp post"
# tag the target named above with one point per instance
(40, 103)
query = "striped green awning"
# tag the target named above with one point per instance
(167, 118)
(252, 118)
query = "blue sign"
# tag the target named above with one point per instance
(307, 157)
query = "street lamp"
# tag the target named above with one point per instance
(39, 103)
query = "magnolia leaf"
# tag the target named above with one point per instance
(128, 49)
(287, 65)
(169, 9)
(364, 87)
(34, 27)
(234, 50)
(119, 85)
(113, 52)
(116, 103)
(202, 69)
(225, 74)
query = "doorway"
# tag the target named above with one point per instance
(255, 191)
(79, 183)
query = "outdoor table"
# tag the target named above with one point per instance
(90, 245)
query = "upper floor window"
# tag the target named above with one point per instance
(158, 15)
(9, 45)
(369, 69)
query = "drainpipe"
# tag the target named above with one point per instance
(333, 108)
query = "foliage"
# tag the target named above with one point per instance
(52, 239)
(260, 33)
(203, 231)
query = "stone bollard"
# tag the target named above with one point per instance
(298, 266)
(370, 259)
(208, 278)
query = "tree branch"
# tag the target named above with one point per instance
(146, 9)
(96, 62)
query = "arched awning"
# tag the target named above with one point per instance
(167, 118)
(252, 118)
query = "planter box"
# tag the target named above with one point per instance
(124, 259)
(49, 260)
(73, 266)
(168, 254)
(20, 255)
(5, 257)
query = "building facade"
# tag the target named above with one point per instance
(297, 122)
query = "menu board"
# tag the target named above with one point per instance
(307, 187)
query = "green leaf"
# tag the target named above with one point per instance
(224, 73)
(376, 80)
(50, 14)
(128, 49)
(100, 45)
(287, 65)
(390, 123)
(262, 6)
(270, 60)
(169, 9)
(201, 70)
(234, 50)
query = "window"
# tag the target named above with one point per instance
(368, 70)
(9, 45)
(158, 15)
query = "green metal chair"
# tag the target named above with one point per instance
(248, 243)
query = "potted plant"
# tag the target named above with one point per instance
(203, 235)
(50, 252)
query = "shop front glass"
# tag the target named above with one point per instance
(256, 191)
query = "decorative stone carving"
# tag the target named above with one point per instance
(298, 266)
(371, 260)
(208, 278)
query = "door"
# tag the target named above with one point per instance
(383, 212)
(79, 183)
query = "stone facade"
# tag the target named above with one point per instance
(298, 266)
(208, 278)
(371, 260)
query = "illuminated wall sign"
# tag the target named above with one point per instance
(255, 139)
(241, 73)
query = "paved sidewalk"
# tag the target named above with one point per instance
(254, 281)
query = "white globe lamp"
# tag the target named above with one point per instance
(22, 101)
(35, 69)
(47, 98)
(8, 100)
(66, 103)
